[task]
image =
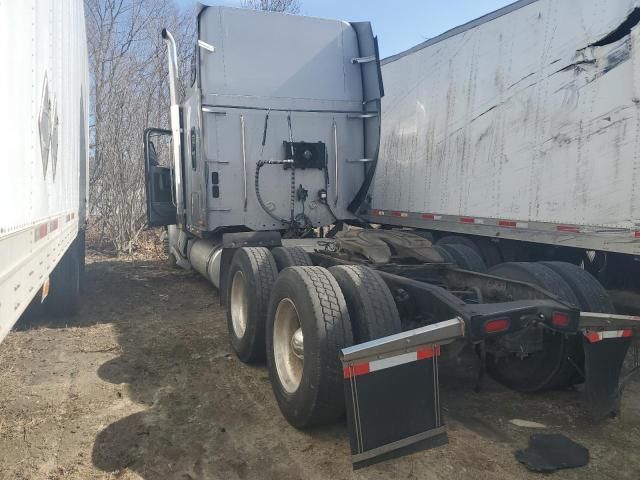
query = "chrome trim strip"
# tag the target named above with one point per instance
(607, 321)
(244, 161)
(410, 341)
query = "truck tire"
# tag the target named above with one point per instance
(554, 367)
(291, 257)
(252, 273)
(64, 294)
(372, 310)
(490, 252)
(465, 257)
(591, 295)
(308, 324)
(444, 253)
(459, 240)
(424, 234)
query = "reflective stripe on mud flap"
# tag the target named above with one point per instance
(377, 365)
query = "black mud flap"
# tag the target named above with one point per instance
(603, 364)
(393, 405)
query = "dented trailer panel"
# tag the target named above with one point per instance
(44, 138)
(258, 90)
(522, 124)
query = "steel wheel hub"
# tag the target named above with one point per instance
(288, 346)
(239, 304)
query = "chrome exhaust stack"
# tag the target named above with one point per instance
(176, 126)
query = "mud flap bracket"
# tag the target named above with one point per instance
(392, 393)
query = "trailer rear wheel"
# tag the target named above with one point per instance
(308, 324)
(252, 274)
(459, 240)
(555, 366)
(490, 252)
(291, 257)
(444, 253)
(64, 295)
(591, 295)
(372, 310)
(466, 258)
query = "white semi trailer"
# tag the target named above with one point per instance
(275, 149)
(44, 92)
(517, 135)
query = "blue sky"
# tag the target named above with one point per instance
(399, 24)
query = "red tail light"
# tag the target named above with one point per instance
(560, 319)
(496, 326)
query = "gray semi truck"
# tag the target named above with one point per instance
(274, 151)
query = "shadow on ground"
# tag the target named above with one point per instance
(204, 414)
(196, 412)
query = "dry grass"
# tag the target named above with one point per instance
(148, 245)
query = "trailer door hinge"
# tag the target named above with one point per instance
(370, 58)
(361, 160)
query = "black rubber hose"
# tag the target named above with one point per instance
(259, 165)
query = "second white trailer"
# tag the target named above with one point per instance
(44, 93)
(524, 125)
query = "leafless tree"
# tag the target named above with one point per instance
(286, 6)
(129, 83)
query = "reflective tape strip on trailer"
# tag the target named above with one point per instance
(509, 224)
(594, 337)
(46, 228)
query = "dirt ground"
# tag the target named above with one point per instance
(142, 384)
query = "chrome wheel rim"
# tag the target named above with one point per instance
(239, 304)
(288, 346)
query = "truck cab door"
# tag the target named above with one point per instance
(161, 207)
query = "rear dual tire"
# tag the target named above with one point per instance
(308, 326)
(486, 250)
(562, 360)
(252, 274)
(372, 310)
(463, 256)
(286, 257)
(301, 316)
(313, 314)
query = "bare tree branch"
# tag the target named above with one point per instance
(285, 6)
(130, 92)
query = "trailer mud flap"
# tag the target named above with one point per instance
(392, 393)
(604, 358)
